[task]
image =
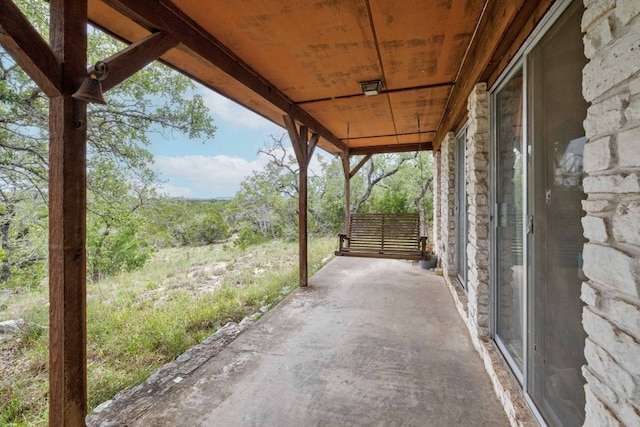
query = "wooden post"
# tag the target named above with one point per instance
(304, 152)
(346, 168)
(67, 220)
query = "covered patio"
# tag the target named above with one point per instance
(369, 342)
(532, 109)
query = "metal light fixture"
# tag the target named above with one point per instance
(371, 87)
(91, 89)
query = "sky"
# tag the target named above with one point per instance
(214, 169)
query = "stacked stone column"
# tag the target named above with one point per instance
(477, 175)
(447, 204)
(611, 317)
(437, 214)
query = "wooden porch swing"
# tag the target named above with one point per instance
(386, 235)
(382, 235)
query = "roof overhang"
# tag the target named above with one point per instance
(306, 59)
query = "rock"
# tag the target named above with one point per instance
(11, 326)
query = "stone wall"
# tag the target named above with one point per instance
(611, 317)
(447, 205)
(474, 306)
(437, 172)
(477, 163)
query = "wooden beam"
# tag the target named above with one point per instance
(524, 23)
(347, 190)
(30, 51)
(393, 148)
(397, 90)
(292, 129)
(359, 166)
(495, 19)
(313, 143)
(303, 155)
(135, 57)
(67, 220)
(167, 17)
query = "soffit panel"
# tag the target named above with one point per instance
(365, 116)
(426, 103)
(373, 141)
(316, 51)
(423, 42)
(415, 138)
(308, 49)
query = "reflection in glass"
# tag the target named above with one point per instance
(509, 231)
(557, 112)
(461, 209)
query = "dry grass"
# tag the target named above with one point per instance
(141, 320)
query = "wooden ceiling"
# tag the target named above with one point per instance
(306, 58)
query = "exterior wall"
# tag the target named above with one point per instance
(437, 172)
(474, 306)
(611, 317)
(477, 163)
(611, 258)
(447, 205)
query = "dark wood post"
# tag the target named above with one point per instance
(346, 168)
(302, 224)
(304, 152)
(67, 220)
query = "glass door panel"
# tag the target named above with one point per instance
(508, 219)
(557, 138)
(461, 209)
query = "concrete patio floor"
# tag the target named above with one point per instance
(368, 343)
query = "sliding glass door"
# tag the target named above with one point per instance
(509, 268)
(461, 208)
(539, 140)
(557, 110)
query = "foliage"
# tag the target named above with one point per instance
(267, 207)
(139, 321)
(154, 100)
(182, 222)
(23, 237)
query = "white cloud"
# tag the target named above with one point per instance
(207, 176)
(225, 109)
(174, 191)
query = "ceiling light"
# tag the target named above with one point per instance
(371, 87)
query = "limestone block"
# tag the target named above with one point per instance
(597, 413)
(626, 10)
(606, 116)
(595, 228)
(594, 10)
(478, 199)
(619, 408)
(626, 223)
(632, 112)
(477, 175)
(622, 347)
(628, 148)
(590, 295)
(598, 155)
(596, 206)
(625, 312)
(612, 66)
(613, 268)
(607, 368)
(634, 86)
(599, 35)
(617, 184)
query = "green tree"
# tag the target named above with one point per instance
(154, 100)
(266, 207)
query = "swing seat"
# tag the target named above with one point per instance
(395, 236)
